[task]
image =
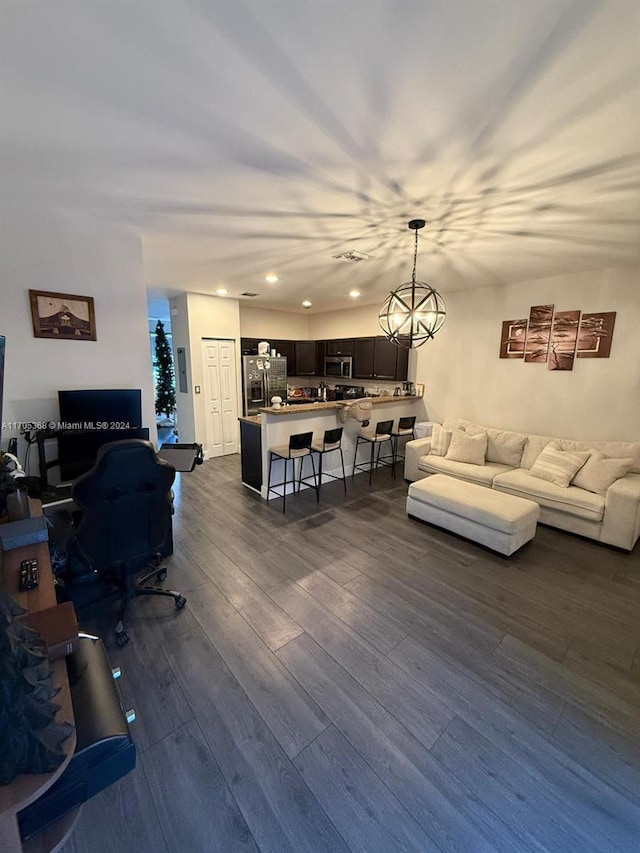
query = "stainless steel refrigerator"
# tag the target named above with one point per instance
(263, 378)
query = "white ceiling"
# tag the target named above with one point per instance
(256, 136)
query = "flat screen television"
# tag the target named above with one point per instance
(91, 418)
(119, 408)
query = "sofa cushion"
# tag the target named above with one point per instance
(467, 448)
(571, 500)
(535, 444)
(481, 474)
(599, 472)
(440, 440)
(612, 449)
(503, 446)
(558, 466)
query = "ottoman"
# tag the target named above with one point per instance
(501, 522)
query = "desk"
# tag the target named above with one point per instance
(78, 449)
(27, 787)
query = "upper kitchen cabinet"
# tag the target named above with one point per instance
(402, 364)
(306, 362)
(378, 358)
(363, 358)
(385, 359)
(342, 346)
(249, 346)
(288, 350)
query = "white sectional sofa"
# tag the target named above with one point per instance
(608, 514)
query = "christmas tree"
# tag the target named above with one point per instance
(165, 388)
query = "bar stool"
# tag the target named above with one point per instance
(405, 429)
(382, 433)
(299, 446)
(331, 442)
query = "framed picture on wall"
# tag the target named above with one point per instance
(514, 334)
(62, 316)
(596, 334)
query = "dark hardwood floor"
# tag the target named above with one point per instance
(346, 679)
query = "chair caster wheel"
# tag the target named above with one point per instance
(122, 638)
(161, 575)
(180, 602)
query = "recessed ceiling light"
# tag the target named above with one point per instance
(354, 294)
(222, 291)
(271, 278)
(307, 304)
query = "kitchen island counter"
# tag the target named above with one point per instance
(330, 405)
(273, 427)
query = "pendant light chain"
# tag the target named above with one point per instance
(415, 259)
(413, 290)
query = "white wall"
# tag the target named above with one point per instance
(194, 317)
(76, 255)
(273, 325)
(357, 322)
(598, 399)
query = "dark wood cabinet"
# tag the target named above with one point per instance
(402, 364)
(249, 346)
(378, 358)
(251, 454)
(385, 359)
(373, 358)
(287, 349)
(363, 349)
(305, 353)
(340, 346)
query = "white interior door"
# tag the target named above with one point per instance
(221, 403)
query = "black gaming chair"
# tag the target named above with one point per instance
(125, 524)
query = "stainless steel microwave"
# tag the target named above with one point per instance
(339, 366)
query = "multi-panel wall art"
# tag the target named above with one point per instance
(556, 338)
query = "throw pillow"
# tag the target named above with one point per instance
(558, 466)
(440, 440)
(599, 472)
(467, 448)
(505, 447)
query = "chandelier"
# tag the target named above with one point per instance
(414, 312)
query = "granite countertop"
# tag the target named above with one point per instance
(334, 404)
(250, 419)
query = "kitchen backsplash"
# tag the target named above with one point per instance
(374, 388)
